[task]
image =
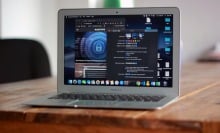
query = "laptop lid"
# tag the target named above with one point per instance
(123, 51)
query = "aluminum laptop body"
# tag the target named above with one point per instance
(127, 58)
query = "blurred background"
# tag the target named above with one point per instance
(37, 19)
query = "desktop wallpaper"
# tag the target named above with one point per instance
(90, 47)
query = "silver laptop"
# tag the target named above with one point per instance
(117, 58)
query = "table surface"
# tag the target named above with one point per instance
(196, 111)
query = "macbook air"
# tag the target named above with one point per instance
(125, 58)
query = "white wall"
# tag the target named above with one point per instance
(72, 4)
(200, 23)
(18, 18)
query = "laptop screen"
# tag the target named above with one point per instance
(119, 50)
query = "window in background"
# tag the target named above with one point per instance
(110, 3)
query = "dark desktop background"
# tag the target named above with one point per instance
(132, 22)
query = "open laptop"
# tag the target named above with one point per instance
(117, 58)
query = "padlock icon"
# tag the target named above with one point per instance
(98, 47)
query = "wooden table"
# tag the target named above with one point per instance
(197, 110)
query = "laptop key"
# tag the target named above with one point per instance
(107, 97)
(138, 98)
(147, 98)
(156, 98)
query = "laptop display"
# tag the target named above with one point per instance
(119, 50)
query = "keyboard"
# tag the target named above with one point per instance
(108, 97)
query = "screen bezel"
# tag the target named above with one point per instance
(172, 91)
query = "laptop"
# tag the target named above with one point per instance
(124, 58)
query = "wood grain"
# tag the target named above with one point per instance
(16, 127)
(198, 109)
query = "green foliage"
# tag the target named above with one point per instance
(112, 3)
